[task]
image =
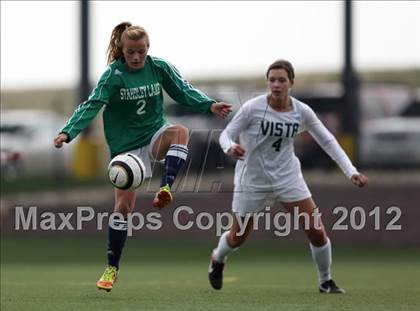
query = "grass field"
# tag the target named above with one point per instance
(59, 273)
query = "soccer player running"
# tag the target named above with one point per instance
(261, 137)
(130, 89)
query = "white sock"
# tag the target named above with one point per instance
(223, 248)
(323, 258)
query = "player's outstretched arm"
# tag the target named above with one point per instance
(327, 142)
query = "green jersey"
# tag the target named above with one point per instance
(133, 103)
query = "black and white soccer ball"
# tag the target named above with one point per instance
(126, 171)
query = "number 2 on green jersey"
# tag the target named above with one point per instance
(142, 109)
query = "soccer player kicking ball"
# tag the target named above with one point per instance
(131, 92)
(261, 137)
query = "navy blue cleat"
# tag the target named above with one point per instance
(216, 274)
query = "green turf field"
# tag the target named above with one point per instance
(60, 274)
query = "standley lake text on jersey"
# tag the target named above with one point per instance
(140, 92)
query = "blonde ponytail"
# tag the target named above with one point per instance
(119, 34)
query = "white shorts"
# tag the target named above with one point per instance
(145, 153)
(248, 200)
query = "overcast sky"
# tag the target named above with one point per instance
(39, 40)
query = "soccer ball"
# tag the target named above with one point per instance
(126, 171)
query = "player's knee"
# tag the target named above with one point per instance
(182, 130)
(181, 133)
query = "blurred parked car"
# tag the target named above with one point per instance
(30, 133)
(391, 141)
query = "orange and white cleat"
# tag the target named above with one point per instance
(108, 279)
(163, 197)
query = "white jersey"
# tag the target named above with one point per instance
(267, 137)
